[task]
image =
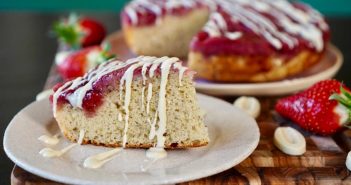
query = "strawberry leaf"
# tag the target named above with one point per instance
(341, 100)
(68, 32)
(348, 122)
(346, 93)
(106, 46)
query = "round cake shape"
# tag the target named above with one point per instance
(257, 41)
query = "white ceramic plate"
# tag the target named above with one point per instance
(234, 135)
(328, 66)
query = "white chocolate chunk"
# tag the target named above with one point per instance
(249, 104)
(289, 141)
(348, 161)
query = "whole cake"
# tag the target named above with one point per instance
(143, 102)
(251, 40)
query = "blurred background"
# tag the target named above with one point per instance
(27, 50)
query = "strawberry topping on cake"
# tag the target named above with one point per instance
(87, 92)
(261, 27)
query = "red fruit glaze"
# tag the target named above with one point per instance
(312, 109)
(57, 86)
(91, 101)
(249, 43)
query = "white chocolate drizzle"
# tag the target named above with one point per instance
(127, 80)
(148, 98)
(233, 35)
(156, 153)
(142, 98)
(50, 153)
(162, 109)
(49, 140)
(152, 133)
(120, 117)
(292, 22)
(181, 70)
(98, 160)
(144, 69)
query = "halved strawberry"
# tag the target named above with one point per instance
(323, 109)
(77, 63)
(76, 32)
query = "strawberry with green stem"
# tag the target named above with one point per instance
(77, 32)
(323, 109)
(77, 63)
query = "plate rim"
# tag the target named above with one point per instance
(188, 177)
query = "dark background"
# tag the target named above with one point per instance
(27, 51)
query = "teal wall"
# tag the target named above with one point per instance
(332, 7)
(62, 5)
(327, 7)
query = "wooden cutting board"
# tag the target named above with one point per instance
(321, 151)
(323, 162)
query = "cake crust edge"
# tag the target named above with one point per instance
(115, 145)
(236, 68)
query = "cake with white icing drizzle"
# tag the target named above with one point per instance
(140, 103)
(242, 40)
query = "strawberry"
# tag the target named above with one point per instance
(77, 32)
(323, 109)
(77, 63)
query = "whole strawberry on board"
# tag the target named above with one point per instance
(74, 64)
(76, 32)
(323, 109)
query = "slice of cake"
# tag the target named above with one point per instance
(141, 103)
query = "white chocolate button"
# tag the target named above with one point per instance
(249, 104)
(289, 141)
(348, 161)
(44, 94)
